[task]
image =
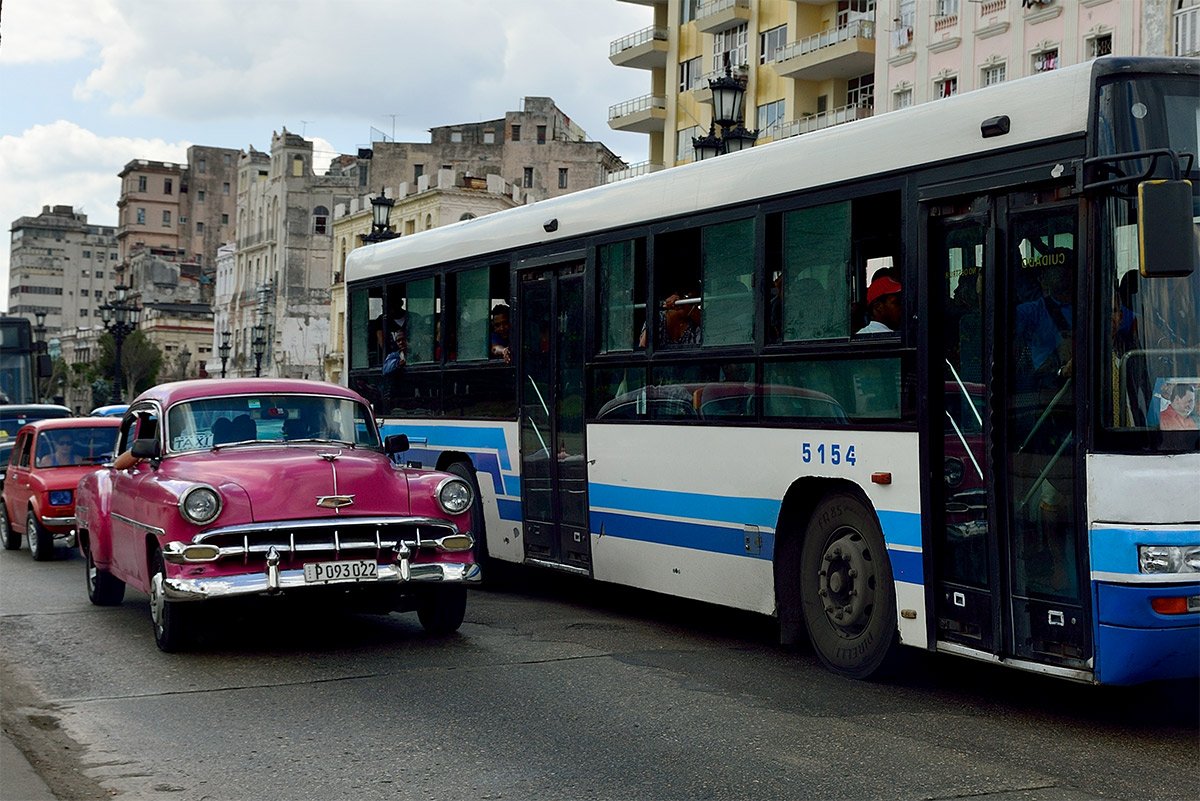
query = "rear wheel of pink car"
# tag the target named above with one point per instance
(103, 588)
(171, 620)
(41, 541)
(441, 610)
(12, 539)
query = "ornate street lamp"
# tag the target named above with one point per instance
(728, 99)
(223, 349)
(381, 210)
(41, 371)
(185, 356)
(121, 318)
(259, 346)
(707, 147)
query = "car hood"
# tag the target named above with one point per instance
(286, 483)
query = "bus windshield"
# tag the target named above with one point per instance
(1151, 346)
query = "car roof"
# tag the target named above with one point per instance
(177, 391)
(73, 422)
(33, 409)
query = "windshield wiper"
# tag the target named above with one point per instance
(322, 440)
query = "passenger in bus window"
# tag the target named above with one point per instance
(678, 321)
(1043, 325)
(499, 347)
(884, 306)
(1180, 413)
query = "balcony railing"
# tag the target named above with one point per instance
(633, 171)
(989, 7)
(816, 122)
(637, 38)
(643, 103)
(1187, 32)
(859, 29)
(715, 16)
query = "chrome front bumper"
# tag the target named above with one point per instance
(275, 580)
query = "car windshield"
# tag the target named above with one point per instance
(70, 447)
(216, 422)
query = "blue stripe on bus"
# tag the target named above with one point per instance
(907, 566)
(679, 534)
(1114, 550)
(440, 437)
(761, 512)
(900, 528)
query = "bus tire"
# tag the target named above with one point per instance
(488, 567)
(848, 597)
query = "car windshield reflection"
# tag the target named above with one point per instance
(222, 422)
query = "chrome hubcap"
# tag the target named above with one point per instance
(157, 601)
(846, 583)
(31, 533)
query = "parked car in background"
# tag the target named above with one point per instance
(256, 487)
(112, 410)
(48, 460)
(13, 416)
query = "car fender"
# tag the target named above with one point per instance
(93, 507)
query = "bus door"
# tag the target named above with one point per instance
(1011, 579)
(550, 311)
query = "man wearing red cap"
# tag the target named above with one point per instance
(884, 306)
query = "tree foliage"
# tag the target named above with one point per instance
(141, 361)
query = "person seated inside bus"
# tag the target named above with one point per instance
(1043, 326)
(884, 306)
(678, 321)
(1180, 412)
(498, 344)
(397, 346)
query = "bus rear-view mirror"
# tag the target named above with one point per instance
(1167, 241)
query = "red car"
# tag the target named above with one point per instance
(236, 488)
(49, 458)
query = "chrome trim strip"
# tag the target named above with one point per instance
(144, 526)
(1073, 674)
(184, 589)
(58, 521)
(579, 571)
(327, 522)
(1182, 579)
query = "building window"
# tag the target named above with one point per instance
(683, 145)
(83, 312)
(456, 137)
(687, 11)
(141, 183)
(320, 221)
(168, 186)
(200, 195)
(1100, 45)
(689, 74)
(516, 133)
(166, 218)
(769, 116)
(527, 179)
(562, 177)
(87, 254)
(489, 137)
(945, 87)
(418, 171)
(1046, 60)
(225, 188)
(946, 8)
(112, 256)
(860, 91)
(902, 98)
(541, 134)
(769, 42)
(228, 161)
(1187, 28)
(202, 166)
(141, 216)
(994, 74)
(733, 42)
(199, 227)
(99, 293)
(224, 219)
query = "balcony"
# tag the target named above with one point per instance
(645, 114)
(632, 171)
(815, 122)
(702, 89)
(715, 16)
(644, 50)
(843, 52)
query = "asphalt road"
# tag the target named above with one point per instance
(552, 689)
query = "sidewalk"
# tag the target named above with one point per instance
(18, 782)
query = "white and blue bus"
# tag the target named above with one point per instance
(924, 379)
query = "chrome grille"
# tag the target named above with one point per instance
(340, 537)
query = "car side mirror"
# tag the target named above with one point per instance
(395, 443)
(145, 449)
(1167, 240)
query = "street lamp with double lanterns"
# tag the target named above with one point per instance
(729, 100)
(42, 366)
(259, 347)
(121, 319)
(223, 349)
(381, 210)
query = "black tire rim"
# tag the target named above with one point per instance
(846, 582)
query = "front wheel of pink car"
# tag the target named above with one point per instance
(103, 588)
(12, 539)
(171, 621)
(441, 610)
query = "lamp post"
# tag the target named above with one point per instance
(120, 319)
(381, 210)
(259, 346)
(185, 356)
(728, 98)
(223, 349)
(39, 347)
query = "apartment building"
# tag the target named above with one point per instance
(62, 266)
(811, 64)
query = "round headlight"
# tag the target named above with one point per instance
(200, 505)
(954, 471)
(454, 496)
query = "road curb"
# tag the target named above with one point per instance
(18, 780)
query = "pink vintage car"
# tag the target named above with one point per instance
(243, 487)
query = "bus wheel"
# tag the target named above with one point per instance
(848, 596)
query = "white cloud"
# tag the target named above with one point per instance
(33, 34)
(64, 164)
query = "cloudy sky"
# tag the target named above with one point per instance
(87, 85)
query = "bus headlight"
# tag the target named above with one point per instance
(1169, 558)
(454, 496)
(200, 504)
